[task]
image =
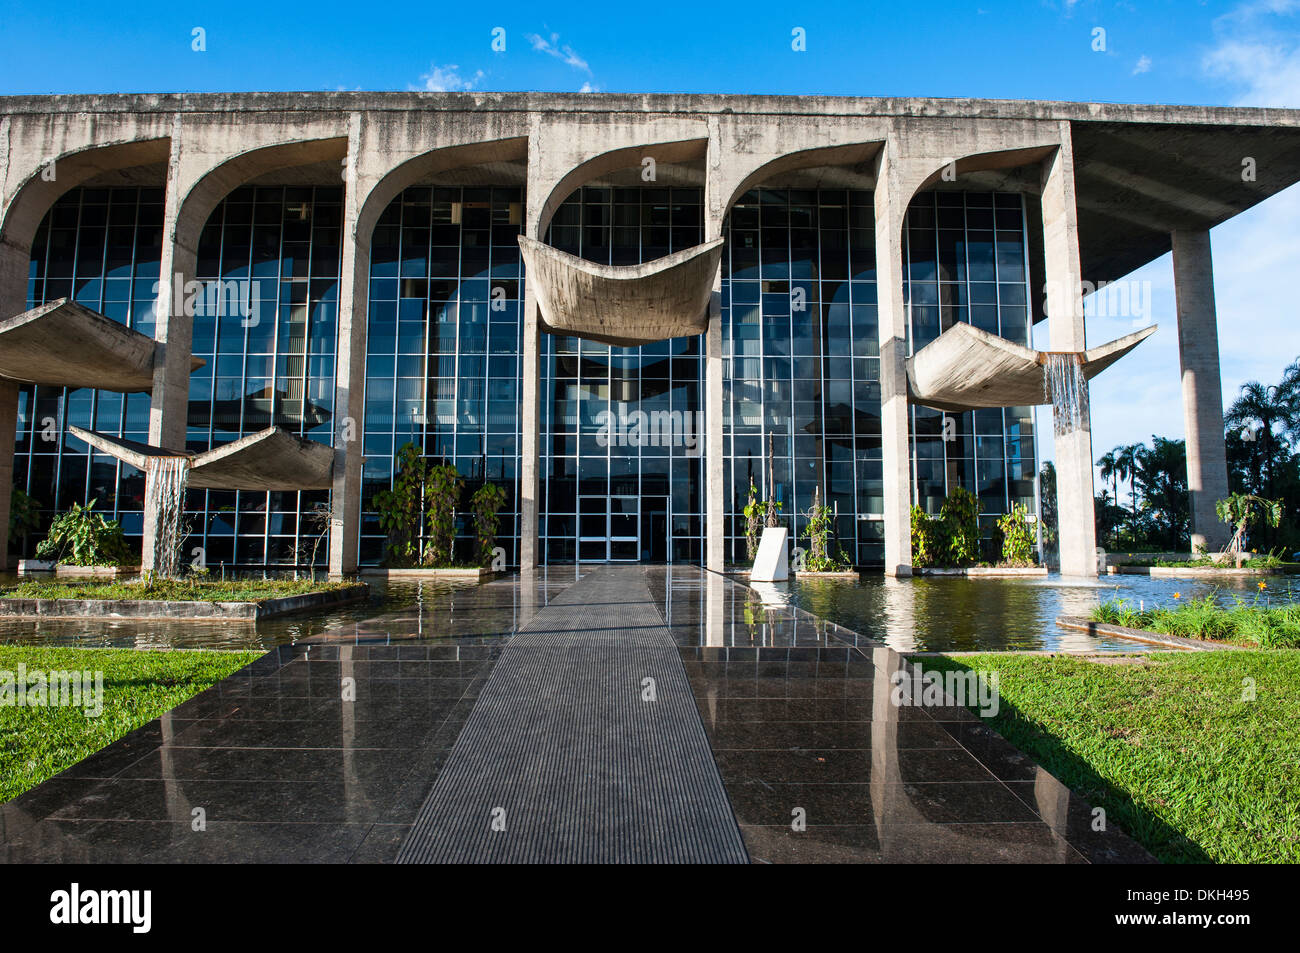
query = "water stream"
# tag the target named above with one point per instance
(165, 482)
(1067, 388)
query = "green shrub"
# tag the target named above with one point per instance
(960, 518)
(1017, 539)
(442, 490)
(925, 539)
(486, 503)
(82, 537)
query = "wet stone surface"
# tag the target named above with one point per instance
(817, 761)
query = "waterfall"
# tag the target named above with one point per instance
(1067, 388)
(165, 481)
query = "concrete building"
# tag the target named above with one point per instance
(708, 277)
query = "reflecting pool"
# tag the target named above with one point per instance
(956, 614)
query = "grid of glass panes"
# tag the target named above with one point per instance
(100, 247)
(647, 499)
(268, 343)
(802, 362)
(965, 260)
(442, 347)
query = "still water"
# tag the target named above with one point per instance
(386, 599)
(955, 614)
(910, 615)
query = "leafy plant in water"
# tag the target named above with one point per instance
(442, 492)
(486, 503)
(401, 509)
(82, 537)
(754, 513)
(925, 539)
(1017, 540)
(960, 518)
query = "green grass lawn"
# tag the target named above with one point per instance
(187, 590)
(38, 743)
(1169, 748)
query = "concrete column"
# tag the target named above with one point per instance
(530, 422)
(715, 470)
(715, 503)
(350, 372)
(1064, 281)
(13, 297)
(530, 370)
(1198, 353)
(173, 333)
(892, 315)
(8, 428)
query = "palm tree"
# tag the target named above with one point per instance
(1162, 479)
(1260, 409)
(1109, 467)
(1126, 468)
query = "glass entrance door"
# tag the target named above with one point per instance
(608, 529)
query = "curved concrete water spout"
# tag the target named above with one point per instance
(965, 368)
(272, 459)
(623, 305)
(65, 344)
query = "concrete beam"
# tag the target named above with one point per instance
(1198, 353)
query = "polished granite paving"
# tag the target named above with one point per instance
(583, 747)
(818, 762)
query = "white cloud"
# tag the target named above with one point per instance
(1257, 53)
(1257, 56)
(589, 87)
(561, 51)
(1143, 65)
(447, 79)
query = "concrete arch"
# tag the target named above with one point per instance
(34, 198)
(443, 159)
(681, 150)
(193, 206)
(208, 191)
(851, 154)
(354, 304)
(1004, 159)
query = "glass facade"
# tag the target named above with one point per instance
(101, 248)
(268, 362)
(443, 345)
(965, 261)
(802, 358)
(618, 485)
(622, 427)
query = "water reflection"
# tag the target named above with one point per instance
(954, 614)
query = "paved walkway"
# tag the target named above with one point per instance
(584, 746)
(773, 734)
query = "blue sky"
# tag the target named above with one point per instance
(1231, 53)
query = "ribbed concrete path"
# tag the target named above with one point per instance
(585, 745)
